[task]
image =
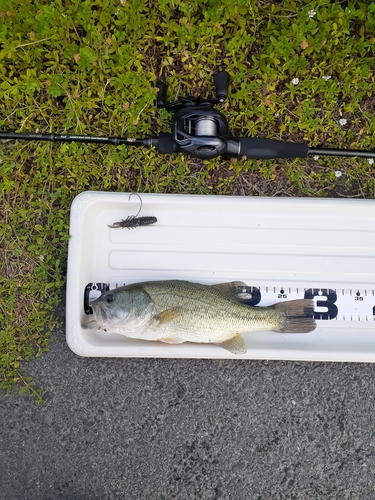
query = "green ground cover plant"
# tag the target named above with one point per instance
(300, 71)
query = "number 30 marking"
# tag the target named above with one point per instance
(328, 303)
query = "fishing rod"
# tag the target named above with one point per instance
(200, 131)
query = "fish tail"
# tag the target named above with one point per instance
(297, 316)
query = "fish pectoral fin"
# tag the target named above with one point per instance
(171, 340)
(235, 345)
(168, 315)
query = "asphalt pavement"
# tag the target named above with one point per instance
(189, 429)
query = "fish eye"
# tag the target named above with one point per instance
(110, 298)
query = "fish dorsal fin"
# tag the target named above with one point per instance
(235, 345)
(237, 290)
(169, 314)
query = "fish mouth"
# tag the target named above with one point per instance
(101, 314)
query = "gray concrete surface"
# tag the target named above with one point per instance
(189, 429)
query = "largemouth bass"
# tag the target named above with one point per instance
(180, 311)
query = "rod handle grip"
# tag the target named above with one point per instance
(266, 149)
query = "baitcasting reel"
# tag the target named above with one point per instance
(198, 128)
(200, 131)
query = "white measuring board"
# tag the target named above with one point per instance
(283, 248)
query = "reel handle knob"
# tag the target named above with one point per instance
(161, 98)
(221, 82)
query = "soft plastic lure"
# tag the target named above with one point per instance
(134, 221)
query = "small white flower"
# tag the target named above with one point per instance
(312, 13)
(370, 160)
(316, 157)
(326, 77)
(338, 173)
(276, 115)
(295, 81)
(117, 12)
(343, 121)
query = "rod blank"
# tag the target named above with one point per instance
(342, 152)
(236, 147)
